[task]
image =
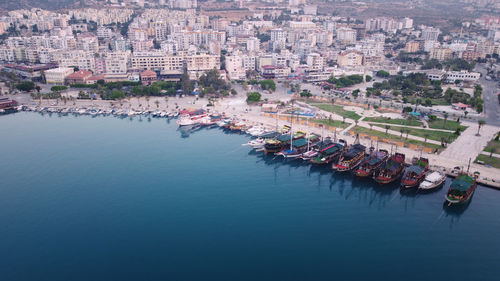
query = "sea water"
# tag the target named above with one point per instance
(105, 198)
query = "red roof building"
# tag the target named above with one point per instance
(79, 77)
(148, 77)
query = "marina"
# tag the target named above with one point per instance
(241, 204)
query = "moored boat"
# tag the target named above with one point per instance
(371, 163)
(351, 158)
(415, 174)
(329, 153)
(298, 147)
(461, 189)
(432, 180)
(281, 142)
(392, 170)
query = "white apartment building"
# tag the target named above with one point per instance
(248, 62)
(199, 64)
(156, 61)
(116, 62)
(430, 34)
(58, 75)
(346, 35)
(315, 62)
(252, 44)
(234, 67)
(278, 34)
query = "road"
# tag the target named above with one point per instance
(490, 92)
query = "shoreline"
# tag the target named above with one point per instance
(236, 109)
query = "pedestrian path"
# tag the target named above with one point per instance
(468, 145)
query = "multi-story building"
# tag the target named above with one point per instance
(412, 47)
(346, 35)
(234, 67)
(315, 62)
(350, 58)
(430, 34)
(58, 75)
(156, 61)
(441, 53)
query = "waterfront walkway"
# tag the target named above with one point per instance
(468, 145)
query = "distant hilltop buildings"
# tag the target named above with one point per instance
(120, 43)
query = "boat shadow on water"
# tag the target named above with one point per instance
(456, 210)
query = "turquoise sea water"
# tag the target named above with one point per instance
(104, 198)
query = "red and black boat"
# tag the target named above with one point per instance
(392, 170)
(351, 158)
(461, 189)
(371, 163)
(415, 174)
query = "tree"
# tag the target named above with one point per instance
(26, 86)
(445, 115)
(186, 85)
(233, 92)
(426, 136)
(268, 84)
(117, 94)
(253, 97)
(157, 103)
(383, 74)
(387, 127)
(368, 78)
(402, 130)
(480, 124)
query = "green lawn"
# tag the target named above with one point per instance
(379, 134)
(450, 125)
(333, 123)
(492, 161)
(406, 122)
(493, 145)
(432, 135)
(338, 109)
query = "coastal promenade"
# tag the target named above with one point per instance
(457, 154)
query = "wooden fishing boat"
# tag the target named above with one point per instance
(392, 170)
(315, 148)
(351, 158)
(432, 180)
(281, 142)
(371, 163)
(328, 154)
(415, 174)
(298, 147)
(461, 189)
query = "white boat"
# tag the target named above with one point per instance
(309, 154)
(432, 180)
(257, 143)
(256, 131)
(186, 119)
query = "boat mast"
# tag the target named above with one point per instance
(291, 132)
(307, 126)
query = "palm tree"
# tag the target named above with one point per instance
(147, 101)
(407, 132)
(445, 115)
(480, 123)
(157, 104)
(493, 150)
(402, 131)
(465, 113)
(371, 126)
(387, 127)
(166, 100)
(426, 136)
(343, 119)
